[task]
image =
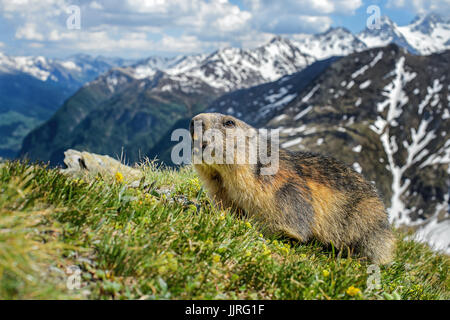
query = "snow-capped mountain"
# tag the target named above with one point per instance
(33, 88)
(387, 115)
(229, 68)
(428, 34)
(425, 35)
(387, 33)
(334, 42)
(233, 68)
(191, 82)
(258, 103)
(37, 67)
(174, 65)
(136, 95)
(78, 68)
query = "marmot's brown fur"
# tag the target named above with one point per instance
(310, 196)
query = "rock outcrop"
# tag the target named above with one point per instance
(92, 163)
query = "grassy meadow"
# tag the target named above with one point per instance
(163, 239)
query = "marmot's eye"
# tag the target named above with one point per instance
(229, 123)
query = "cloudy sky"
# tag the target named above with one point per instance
(139, 28)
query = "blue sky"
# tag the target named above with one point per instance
(140, 28)
(402, 14)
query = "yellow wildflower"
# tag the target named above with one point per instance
(214, 271)
(170, 255)
(119, 177)
(352, 291)
(216, 258)
(248, 225)
(266, 251)
(162, 269)
(195, 182)
(326, 273)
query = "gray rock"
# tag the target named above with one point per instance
(77, 161)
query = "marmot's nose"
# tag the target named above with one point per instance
(197, 121)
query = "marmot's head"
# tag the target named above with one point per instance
(219, 122)
(222, 142)
(220, 139)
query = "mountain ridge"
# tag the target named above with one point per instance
(33, 88)
(170, 81)
(343, 42)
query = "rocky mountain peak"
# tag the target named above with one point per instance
(427, 23)
(388, 32)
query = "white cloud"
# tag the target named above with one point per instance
(102, 41)
(422, 6)
(29, 32)
(298, 16)
(195, 16)
(306, 7)
(186, 44)
(167, 25)
(58, 35)
(38, 9)
(95, 5)
(233, 20)
(209, 21)
(36, 45)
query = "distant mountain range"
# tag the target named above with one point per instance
(33, 88)
(144, 100)
(138, 104)
(425, 35)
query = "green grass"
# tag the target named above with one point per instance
(164, 240)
